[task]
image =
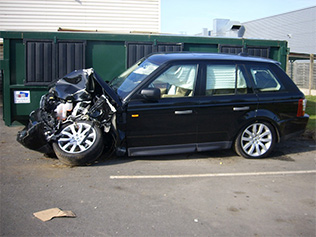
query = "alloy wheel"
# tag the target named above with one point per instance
(256, 139)
(77, 137)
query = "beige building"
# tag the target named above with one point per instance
(90, 15)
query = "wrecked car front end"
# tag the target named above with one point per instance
(76, 119)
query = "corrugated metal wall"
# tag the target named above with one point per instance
(297, 27)
(46, 60)
(1, 50)
(100, 15)
(1, 58)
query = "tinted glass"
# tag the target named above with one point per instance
(132, 77)
(264, 79)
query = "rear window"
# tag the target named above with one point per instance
(265, 80)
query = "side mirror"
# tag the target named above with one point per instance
(153, 94)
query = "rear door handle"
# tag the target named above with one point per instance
(241, 108)
(183, 112)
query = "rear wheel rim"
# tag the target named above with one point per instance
(256, 140)
(77, 138)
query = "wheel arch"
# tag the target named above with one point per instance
(264, 115)
(261, 116)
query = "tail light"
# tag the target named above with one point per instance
(301, 107)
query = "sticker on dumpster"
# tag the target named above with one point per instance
(22, 97)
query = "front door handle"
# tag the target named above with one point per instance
(183, 112)
(241, 108)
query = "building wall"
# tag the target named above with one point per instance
(297, 27)
(100, 15)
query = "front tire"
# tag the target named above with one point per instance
(80, 143)
(256, 140)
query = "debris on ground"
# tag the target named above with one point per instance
(51, 213)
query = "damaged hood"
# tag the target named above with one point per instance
(79, 84)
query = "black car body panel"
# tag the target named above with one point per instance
(216, 119)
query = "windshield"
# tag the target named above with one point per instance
(132, 77)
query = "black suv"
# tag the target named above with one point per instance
(169, 103)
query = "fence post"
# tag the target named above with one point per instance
(311, 64)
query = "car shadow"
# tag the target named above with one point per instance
(283, 151)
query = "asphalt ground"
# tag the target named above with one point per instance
(203, 194)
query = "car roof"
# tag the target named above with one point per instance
(160, 58)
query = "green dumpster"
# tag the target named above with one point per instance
(33, 60)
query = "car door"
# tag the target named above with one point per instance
(168, 125)
(227, 104)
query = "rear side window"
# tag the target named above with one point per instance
(265, 80)
(225, 80)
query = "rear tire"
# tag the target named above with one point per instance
(80, 143)
(256, 140)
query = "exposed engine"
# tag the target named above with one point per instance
(76, 97)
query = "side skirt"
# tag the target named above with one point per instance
(177, 149)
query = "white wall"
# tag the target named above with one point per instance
(101, 15)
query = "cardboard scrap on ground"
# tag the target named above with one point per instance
(49, 214)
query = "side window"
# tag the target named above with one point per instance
(264, 79)
(225, 80)
(177, 81)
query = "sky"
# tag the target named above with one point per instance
(191, 16)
